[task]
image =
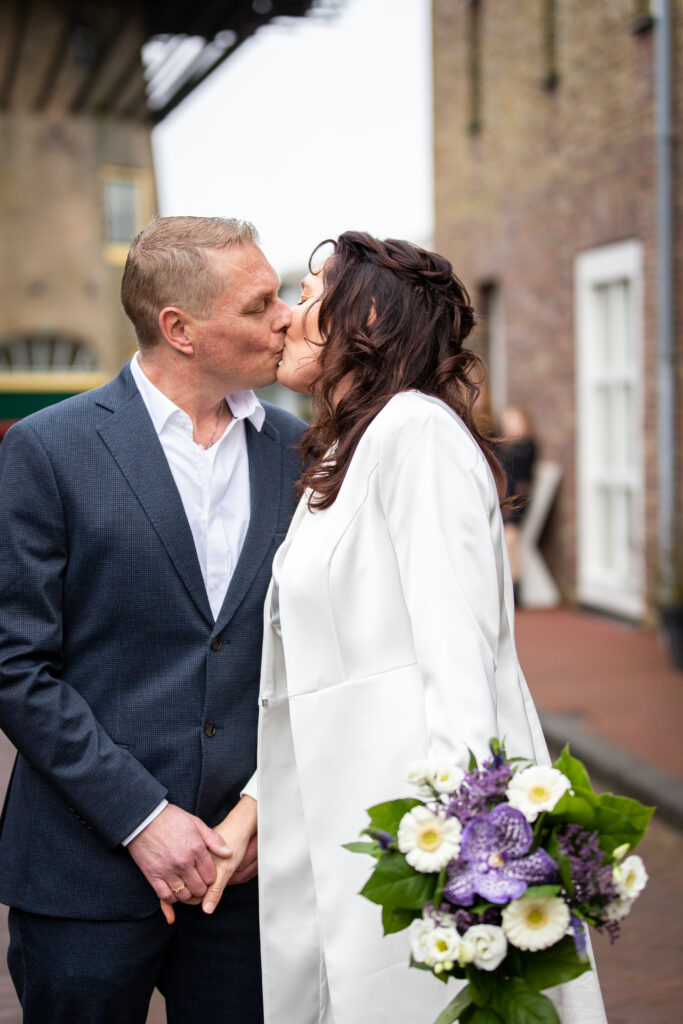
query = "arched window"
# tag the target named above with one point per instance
(45, 350)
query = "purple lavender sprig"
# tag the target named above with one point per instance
(592, 879)
(480, 790)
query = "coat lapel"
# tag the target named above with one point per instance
(265, 482)
(132, 441)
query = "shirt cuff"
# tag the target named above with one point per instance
(143, 824)
(251, 788)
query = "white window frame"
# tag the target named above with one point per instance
(596, 268)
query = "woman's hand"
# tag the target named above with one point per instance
(238, 830)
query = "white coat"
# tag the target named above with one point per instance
(394, 642)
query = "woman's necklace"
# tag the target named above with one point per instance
(213, 436)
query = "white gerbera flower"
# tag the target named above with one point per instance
(536, 789)
(489, 945)
(630, 877)
(446, 778)
(428, 840)
(418, 932)
(535, 922)
(442, 945)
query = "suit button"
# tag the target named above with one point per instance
(216, 643)
(210, 729)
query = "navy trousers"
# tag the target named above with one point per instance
(208, 967)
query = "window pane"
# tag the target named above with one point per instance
(604, 408)
(45, 352)
(603, 353)
(120, 220)
(620, 329)
(605, 532)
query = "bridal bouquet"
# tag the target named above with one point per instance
(497, 872)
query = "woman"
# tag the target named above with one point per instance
(388, 625)
(517, 453)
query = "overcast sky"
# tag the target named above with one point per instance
(311, 129)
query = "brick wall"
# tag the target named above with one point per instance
(551, 172)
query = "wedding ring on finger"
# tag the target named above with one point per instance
(177, 892)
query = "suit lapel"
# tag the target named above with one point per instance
(265, 472)
(132, 441)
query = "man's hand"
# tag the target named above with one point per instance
(174, 852)
(238, 829)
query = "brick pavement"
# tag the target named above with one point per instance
(616, 679)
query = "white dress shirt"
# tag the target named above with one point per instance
(213, 485)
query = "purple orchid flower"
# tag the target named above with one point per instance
(494, 860)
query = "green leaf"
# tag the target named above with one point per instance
(518, 1003)
(577, 808)
(482, 985)
(472, 763)
(396, 885)
(396, 919)
(573, 769)
(387, 816)
(620, 820)
(564, 867)
(374, 849)
(553, 966)
(539, 891)
(440, 886)
(483, 1016)
(455, 1007)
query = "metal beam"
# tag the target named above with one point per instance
(136, 107)
(105, 45)
(20, 21)
(214, 19)
(56, 62)
(107, 103)
(190, 83)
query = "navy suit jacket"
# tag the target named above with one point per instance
(116, 685)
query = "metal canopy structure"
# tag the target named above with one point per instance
(132, 58)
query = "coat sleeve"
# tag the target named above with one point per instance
(437, 498)
(45, 717)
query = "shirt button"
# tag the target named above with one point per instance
(210, 729)
(216, 643)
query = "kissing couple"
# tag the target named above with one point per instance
(189, 574)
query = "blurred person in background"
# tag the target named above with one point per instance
(138, 523)
(517, 452)
(389, 630)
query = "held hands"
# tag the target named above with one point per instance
(174, 852)
(238, 830)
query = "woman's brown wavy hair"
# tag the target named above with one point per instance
(392, 317)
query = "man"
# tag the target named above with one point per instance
(137, 528)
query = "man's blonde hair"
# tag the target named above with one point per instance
(168, 265)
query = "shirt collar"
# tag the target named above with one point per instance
(242, 404)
